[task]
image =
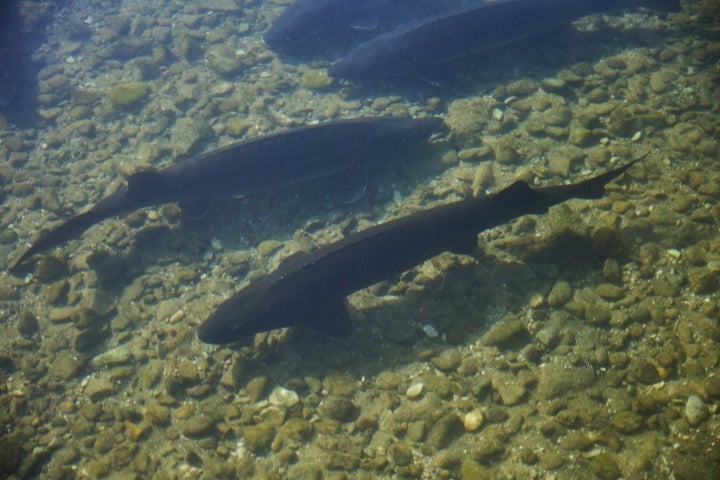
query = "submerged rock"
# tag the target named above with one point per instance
(696, 410)
(128, 94)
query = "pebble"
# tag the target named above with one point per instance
(510, 392)
(695, 410)
(430, 331)
(473, 420)
(509, 328)
(414, 390)
(560, 294)
(198, 426)
(282, 397)
(447, 361)
(26, 323)
(554, 380)
(114, 356)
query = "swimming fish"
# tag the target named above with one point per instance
(417, 48)
(309, 288)
(332, 151)
(327, 27)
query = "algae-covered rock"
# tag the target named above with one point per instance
(445, 430)
(236, 126)
(554, 380)
(560, 294)
(64, 366)
(605, 467)
(627, 421)
(316, 79)
(447, 361)
(8, 235)
(198, 426)
(506, 330)
(224, 59)
(128, 94)
(258, 437)
(188, 133)
(268, 247)
(467, 117)
(338, 408)
(50, 268)
(26, 323)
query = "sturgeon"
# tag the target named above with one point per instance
(417, 48)
(328, 151)
(309, 288)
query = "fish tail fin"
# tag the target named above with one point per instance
(589, 189)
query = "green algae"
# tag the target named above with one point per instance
(316, 79)
(125, 95)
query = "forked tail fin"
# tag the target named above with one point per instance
(591, 188)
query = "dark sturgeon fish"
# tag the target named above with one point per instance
(333, 150)
(308, 27)
(419, 47)
(310, 288)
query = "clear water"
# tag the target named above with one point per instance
(584, 340)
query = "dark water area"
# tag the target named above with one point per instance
(583, 343)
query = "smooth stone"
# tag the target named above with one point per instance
(415, 390)
(508, 329)
(560, 294)
(198, 426)
(282, 397)
(120, 354)
(554, 380)
(696, 410)
(473, 420)
(608, 291)
(447, 361)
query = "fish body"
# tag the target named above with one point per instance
(309, 288)
(420, 46)
(329, 151)
(308, 27)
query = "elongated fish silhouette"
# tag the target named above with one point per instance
(417, 48)
(324, 151)
(310, 288)
(310, 27)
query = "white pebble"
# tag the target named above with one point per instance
(430, 331)
(473, 420)
(497, 114)
(414, 390)
(282, 397)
